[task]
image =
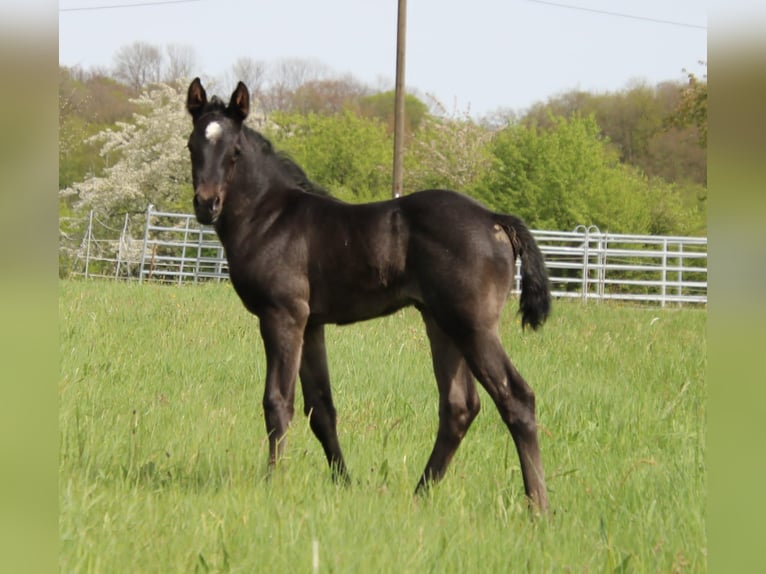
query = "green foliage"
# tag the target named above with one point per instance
(613, 160)
(561, 177)
(676, 209)
(630, 119)
(348, 154)
(692, 109)
(162, 446)
(78, 153)
(567, 174)
(88, 104)
(381, 106)
(643, 124)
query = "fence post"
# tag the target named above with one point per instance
(219, 264)
(183, 252)
(200, 236)
(122, 247)
(601, 273)
(680, 270)
(585, 262)
(664, 271)
(146, 241)
(88, 237)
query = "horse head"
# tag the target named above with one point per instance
(215, 145)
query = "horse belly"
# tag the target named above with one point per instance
(361, 273)
(359, 303)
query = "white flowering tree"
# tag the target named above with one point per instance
(147, 160)
(449, 150)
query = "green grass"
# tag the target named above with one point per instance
(163, 451)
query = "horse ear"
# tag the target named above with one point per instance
(196, 99)
(239, 104)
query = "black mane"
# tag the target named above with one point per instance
(287, 166)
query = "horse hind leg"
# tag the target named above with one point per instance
(515, 401)
(458, 402)
(318, 403)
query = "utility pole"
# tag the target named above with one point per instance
(401, 33)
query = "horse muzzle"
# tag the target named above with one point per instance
(208, 203)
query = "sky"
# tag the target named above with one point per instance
(478, 56)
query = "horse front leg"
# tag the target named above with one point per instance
(282, 334)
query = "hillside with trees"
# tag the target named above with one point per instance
(629, 161)
(89, 102)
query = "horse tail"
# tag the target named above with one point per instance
(535, 300)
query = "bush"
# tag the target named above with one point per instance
(349, 155)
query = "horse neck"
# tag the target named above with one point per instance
(256, 194)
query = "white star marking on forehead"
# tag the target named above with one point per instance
(213, 132)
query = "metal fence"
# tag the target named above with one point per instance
(177, 249)
(103, 252)
(588, 264)
(584, 263)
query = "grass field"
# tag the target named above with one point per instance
(163, 451)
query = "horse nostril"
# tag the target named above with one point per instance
(216, 204)
(195, 201)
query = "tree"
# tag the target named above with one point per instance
(285, 77)
(88, 102)
(447, 152)
(70, 103)
(381, 106)
(692, 109)
(138, 64)
(328, 96)
(181, 62)
(152, 165)
(348, 154)
(564, 176)
(638, 121)
(252, 72)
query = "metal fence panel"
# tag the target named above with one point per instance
(584, 263)
(589, 264)
(177, 249)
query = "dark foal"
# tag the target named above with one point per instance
(300, 259)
